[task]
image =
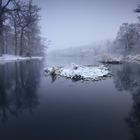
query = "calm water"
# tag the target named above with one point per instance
(38, 107)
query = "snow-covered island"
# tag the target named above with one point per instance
(110, 59)
(10, 58)
(114, 59)
(78, 72)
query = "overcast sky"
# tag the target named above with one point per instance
(80, 22)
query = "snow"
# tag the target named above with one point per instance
(78, 72)
(110, 59)
(133, 57)
(9, 58)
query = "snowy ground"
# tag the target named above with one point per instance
(110, 59)
(133, 57)
(9, 58)
(77, 72)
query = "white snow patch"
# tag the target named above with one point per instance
(119, 59)
(9, 58)
(133, 57)
(77, 72)
(111, 59)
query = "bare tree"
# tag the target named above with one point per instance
(127, 38)
(19, 27)
(3, 10)
(27, 16)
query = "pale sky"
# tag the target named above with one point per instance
(80, 22)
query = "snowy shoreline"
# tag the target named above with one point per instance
(10, 58)
(110, 59)
(78, 72)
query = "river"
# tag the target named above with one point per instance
(38, 107)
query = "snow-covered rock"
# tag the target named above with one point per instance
(77, 72)
(9, 58)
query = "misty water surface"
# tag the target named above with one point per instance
(34, 106)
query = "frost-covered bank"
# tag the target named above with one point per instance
(110, 59)
(77, 72)
(114, 59)
(133, 57)
(9, 58)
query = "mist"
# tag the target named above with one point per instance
(72, 23)
(70, 69)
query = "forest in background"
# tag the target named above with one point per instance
(127, 41)
(20, 33)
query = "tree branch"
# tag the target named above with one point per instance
(6, 4)
(0, 3)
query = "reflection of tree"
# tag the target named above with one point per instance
(134, 118)
(127, 77)
(18, 86)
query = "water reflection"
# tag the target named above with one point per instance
(18, 88)
(127, 77)
(66, 107)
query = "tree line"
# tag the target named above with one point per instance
(19, 28)
(128, 37)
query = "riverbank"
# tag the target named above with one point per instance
(9, 58)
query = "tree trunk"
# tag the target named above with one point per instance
(1, 37)
(21, 43)
(15, 40)
(126, 50)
